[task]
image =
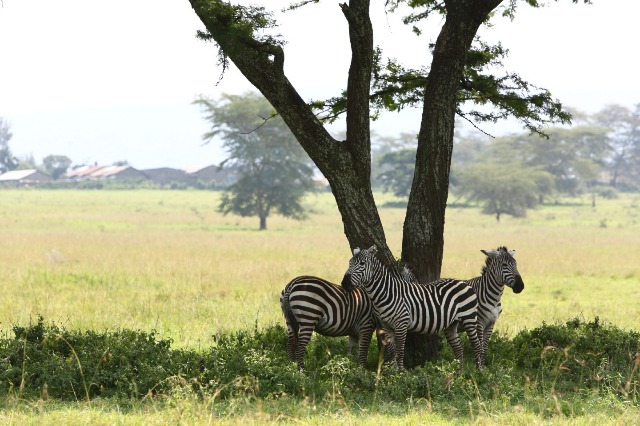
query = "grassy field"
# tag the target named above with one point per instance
(167, 261)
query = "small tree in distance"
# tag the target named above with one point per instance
(274, 171)
(56, 165)
(7, 160)
(504, 188)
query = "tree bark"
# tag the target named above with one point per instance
(423, 232)
(345, 164)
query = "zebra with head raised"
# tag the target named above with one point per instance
(404, 306)
(312, 304)
(500, 269)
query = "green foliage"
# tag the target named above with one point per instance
(504, 188)
(239, 24)
(568, 362)
(274, 171)
(395, 86)
(581, 356)
(56, 165)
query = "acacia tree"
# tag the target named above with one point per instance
(458, 76)
(505, 188)
(273, 170)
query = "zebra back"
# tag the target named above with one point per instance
(426, 308)
(313, 304)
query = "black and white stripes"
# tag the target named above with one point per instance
(500, 269)
(312, 304)
(404, 306)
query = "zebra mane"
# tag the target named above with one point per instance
(397, 268)
(488, 260)
(408, 275)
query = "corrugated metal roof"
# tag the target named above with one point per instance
(109, 171)
(17, 174)
(83, 171)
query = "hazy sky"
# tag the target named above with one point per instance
(108, 81)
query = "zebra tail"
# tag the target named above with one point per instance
(289, 316)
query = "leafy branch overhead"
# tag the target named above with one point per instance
(394, 87)
(242, 26)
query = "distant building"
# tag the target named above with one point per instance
(118, 172)
(104, 172)
(82, 172)
(214, 174)
(167, 176)
(23, 178)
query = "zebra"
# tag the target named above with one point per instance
(313, 304)
(500, 269)
(404, 306)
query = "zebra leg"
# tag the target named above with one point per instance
(364, 339)
(485, 338)
(471, 326)
(353, 341)
(292, 343)
(400, 337)
(304, 335)
(480, 333)
(451, 333)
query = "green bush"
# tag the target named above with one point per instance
(568, 360)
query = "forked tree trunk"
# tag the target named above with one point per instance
(347, 164)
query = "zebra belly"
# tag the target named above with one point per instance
(326, 328)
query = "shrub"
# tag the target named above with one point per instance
(575, 358)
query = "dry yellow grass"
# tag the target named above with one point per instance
(166, 260)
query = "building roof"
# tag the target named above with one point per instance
(109, 171)
(17, 174)
(83, 171)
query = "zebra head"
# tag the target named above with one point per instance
(359, 271)
(502, 268)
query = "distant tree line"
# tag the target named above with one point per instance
(598, 155)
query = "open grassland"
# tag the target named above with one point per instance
(167, 261)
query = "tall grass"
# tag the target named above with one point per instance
(167, 261)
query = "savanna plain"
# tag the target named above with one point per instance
(167, 263)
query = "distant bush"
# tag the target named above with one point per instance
(605, 191)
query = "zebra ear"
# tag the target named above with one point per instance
(490, 253)
(356, 251)
(512, 253)
(373, 249)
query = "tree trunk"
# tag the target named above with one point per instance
(423, 234)
(263, 222)
(347, 164)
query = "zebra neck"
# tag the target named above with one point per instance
(487, 284)
(380, 284)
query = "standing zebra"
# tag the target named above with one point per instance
(312, 304)
(500, 269)
(403, 306)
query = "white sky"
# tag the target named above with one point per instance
(108, 81)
